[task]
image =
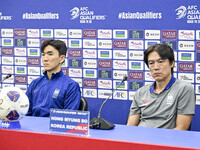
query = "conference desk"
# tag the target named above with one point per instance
(34, 135)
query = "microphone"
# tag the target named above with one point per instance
(6, 77)
(100, 123)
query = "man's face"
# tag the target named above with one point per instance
(160, 68)
(51, 59)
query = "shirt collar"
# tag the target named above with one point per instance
(58, 74)
(171, 82)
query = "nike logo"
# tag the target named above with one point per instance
(146, 101)
(35, 91)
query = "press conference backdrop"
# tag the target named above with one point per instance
(105, 41)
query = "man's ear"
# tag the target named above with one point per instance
(173, 63)
(62, 58)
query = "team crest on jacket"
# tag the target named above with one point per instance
(56, 92)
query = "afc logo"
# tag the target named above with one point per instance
(120, 95)
(90, 93)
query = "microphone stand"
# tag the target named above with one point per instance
(8, 76)
(100, 123)
(2, 80)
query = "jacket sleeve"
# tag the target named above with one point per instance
(72, 96)
(29, 95)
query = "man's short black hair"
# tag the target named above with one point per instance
(164, 50)
(58, 44)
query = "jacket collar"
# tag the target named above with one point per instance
(54, 75)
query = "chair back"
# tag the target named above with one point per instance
(83, 104)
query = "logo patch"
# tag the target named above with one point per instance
(56, 92)
(170, 99)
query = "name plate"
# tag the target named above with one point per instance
(69, 122)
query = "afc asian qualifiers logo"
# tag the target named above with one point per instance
(85, 15)
(181, 12)
(191, 12)
(74, 13)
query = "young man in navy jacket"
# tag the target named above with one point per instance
(54, 89)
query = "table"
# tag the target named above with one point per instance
(34, 134)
